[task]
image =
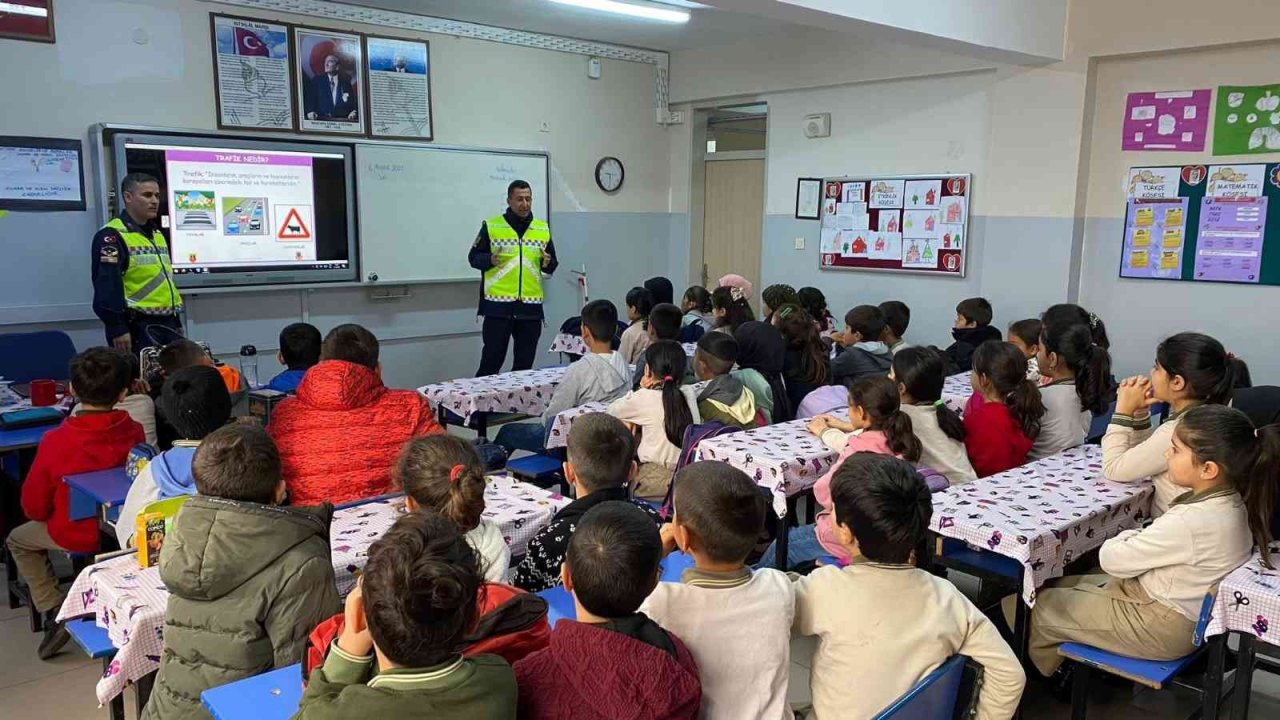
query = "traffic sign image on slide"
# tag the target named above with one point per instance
(294, 222)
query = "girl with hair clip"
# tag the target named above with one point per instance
(815, 303)
(1191, 369)
(659, 412)
(1226, 474)
(775, 297)
(806, 366)
(919, 373)
(729, 309)
(1069, 314)
(876, 424)
(1075, 383)
(443, 474)
(1000, 430)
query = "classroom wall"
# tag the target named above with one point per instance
(148, 62)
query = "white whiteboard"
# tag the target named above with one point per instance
(421, 207)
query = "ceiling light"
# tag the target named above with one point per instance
(647, 12)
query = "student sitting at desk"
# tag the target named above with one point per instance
(397, 655)
(664, 324)
(340, 437)
(724, 398)
(299, 350)
(98, 438)
(660, 411)
(137, 402)
(196, 402)
(613, 661)
(736, 621)
(247, 579)
(884, 624)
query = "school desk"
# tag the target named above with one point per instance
(574, 345)
(525, 392)
(1248, 604)
(97, 494)
(558, 434)
(270, 696)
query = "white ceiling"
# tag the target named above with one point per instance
(707, 26)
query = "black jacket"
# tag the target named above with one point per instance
(481, 258)
(966, 341)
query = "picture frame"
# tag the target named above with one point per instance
(30, 20)
(253, 78)
(46, 174)
(398, 88)
(329, 81)
(808, 198)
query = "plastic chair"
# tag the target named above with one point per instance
(270, 696)
(1098, 426)
(933, 698)
(560, 603)
(1154, 674)
(36, 356)
(97, 645)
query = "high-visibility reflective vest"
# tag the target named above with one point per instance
(148, 281)
(517, 261)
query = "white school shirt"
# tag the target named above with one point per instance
(738, 628)
(643, 407)
(938, 451)
(1065, 423)
(495, 557)
(1132, 451)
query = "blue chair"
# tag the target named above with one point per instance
(541, 470)
(1098, 426)
(35, 356)
(97, 645)
(560, 603)
(1155, 674)
(270, 696)
(933, 698)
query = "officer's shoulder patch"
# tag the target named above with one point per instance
(110, 238)
(109, 254)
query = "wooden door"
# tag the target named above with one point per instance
(733, 218)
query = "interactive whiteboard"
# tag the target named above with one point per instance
(421, 207)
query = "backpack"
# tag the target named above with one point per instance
(139, 456)
(693, 435)
(512, 624)
(691, 333)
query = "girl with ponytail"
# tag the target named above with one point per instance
(659, 411)
(1075, 380)
(919, 373)
(1146, 605)
(874, 410)
(1000, 430)
(443, 474)
(1191, 369)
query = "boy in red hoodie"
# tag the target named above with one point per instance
(340, 437)
(98, 438)
(612, 661)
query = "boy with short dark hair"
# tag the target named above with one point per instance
(244, 604)
(408, 618)
(601, 465)
(664, 324)
(972, 328)
(137, 402)
(299, 350)
(613, 661)
(735, 621)
(599, 376)
(884, 624)
(724, 398)
(98, 438)
(341, 434)
(863, 352)
(897, 316)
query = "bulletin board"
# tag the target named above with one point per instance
(1203, 223)
(898, 223)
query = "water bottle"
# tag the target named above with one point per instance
(249, 365)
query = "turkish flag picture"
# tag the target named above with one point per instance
(248, 43)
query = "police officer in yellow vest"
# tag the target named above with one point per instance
(514, 251)
(133, 290)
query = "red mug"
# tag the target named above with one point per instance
(44, 393)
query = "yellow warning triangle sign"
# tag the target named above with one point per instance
(293, 228)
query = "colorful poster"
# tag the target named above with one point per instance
(828, 212)
(828, 242)
(919, 253)
(1247, 120)
(886, 193)
(885, 246)
(887, 221)
(853, 192)
(953, 210)
(1153, 183)
(853, 244)
(330, 81)
(922, 194)
(1239, 181)
(951, 237)
(1171, 120)
(833, 190)
(1230, 241)
(920, 223)
(1154, 236)
(251, 73)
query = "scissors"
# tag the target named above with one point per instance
(1241, 600)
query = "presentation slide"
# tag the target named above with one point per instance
(236, 208)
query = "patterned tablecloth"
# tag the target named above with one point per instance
(1248, 600)
(130, 601)
(525, 391)
(559, 435)
(1044, 514)
(956, 390)
(573, 345)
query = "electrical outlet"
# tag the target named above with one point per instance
(799, 243)
(544, 126)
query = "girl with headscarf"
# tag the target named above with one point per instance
(761, 352)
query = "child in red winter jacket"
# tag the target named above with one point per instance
(98, 438)
(1000, 430)
(612, 661)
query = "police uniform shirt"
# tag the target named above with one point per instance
(110, 261)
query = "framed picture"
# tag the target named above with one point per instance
(252, 82)
(329, 92)
(399, 87)
(808, 198)
(27, 20)
(41, 174)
